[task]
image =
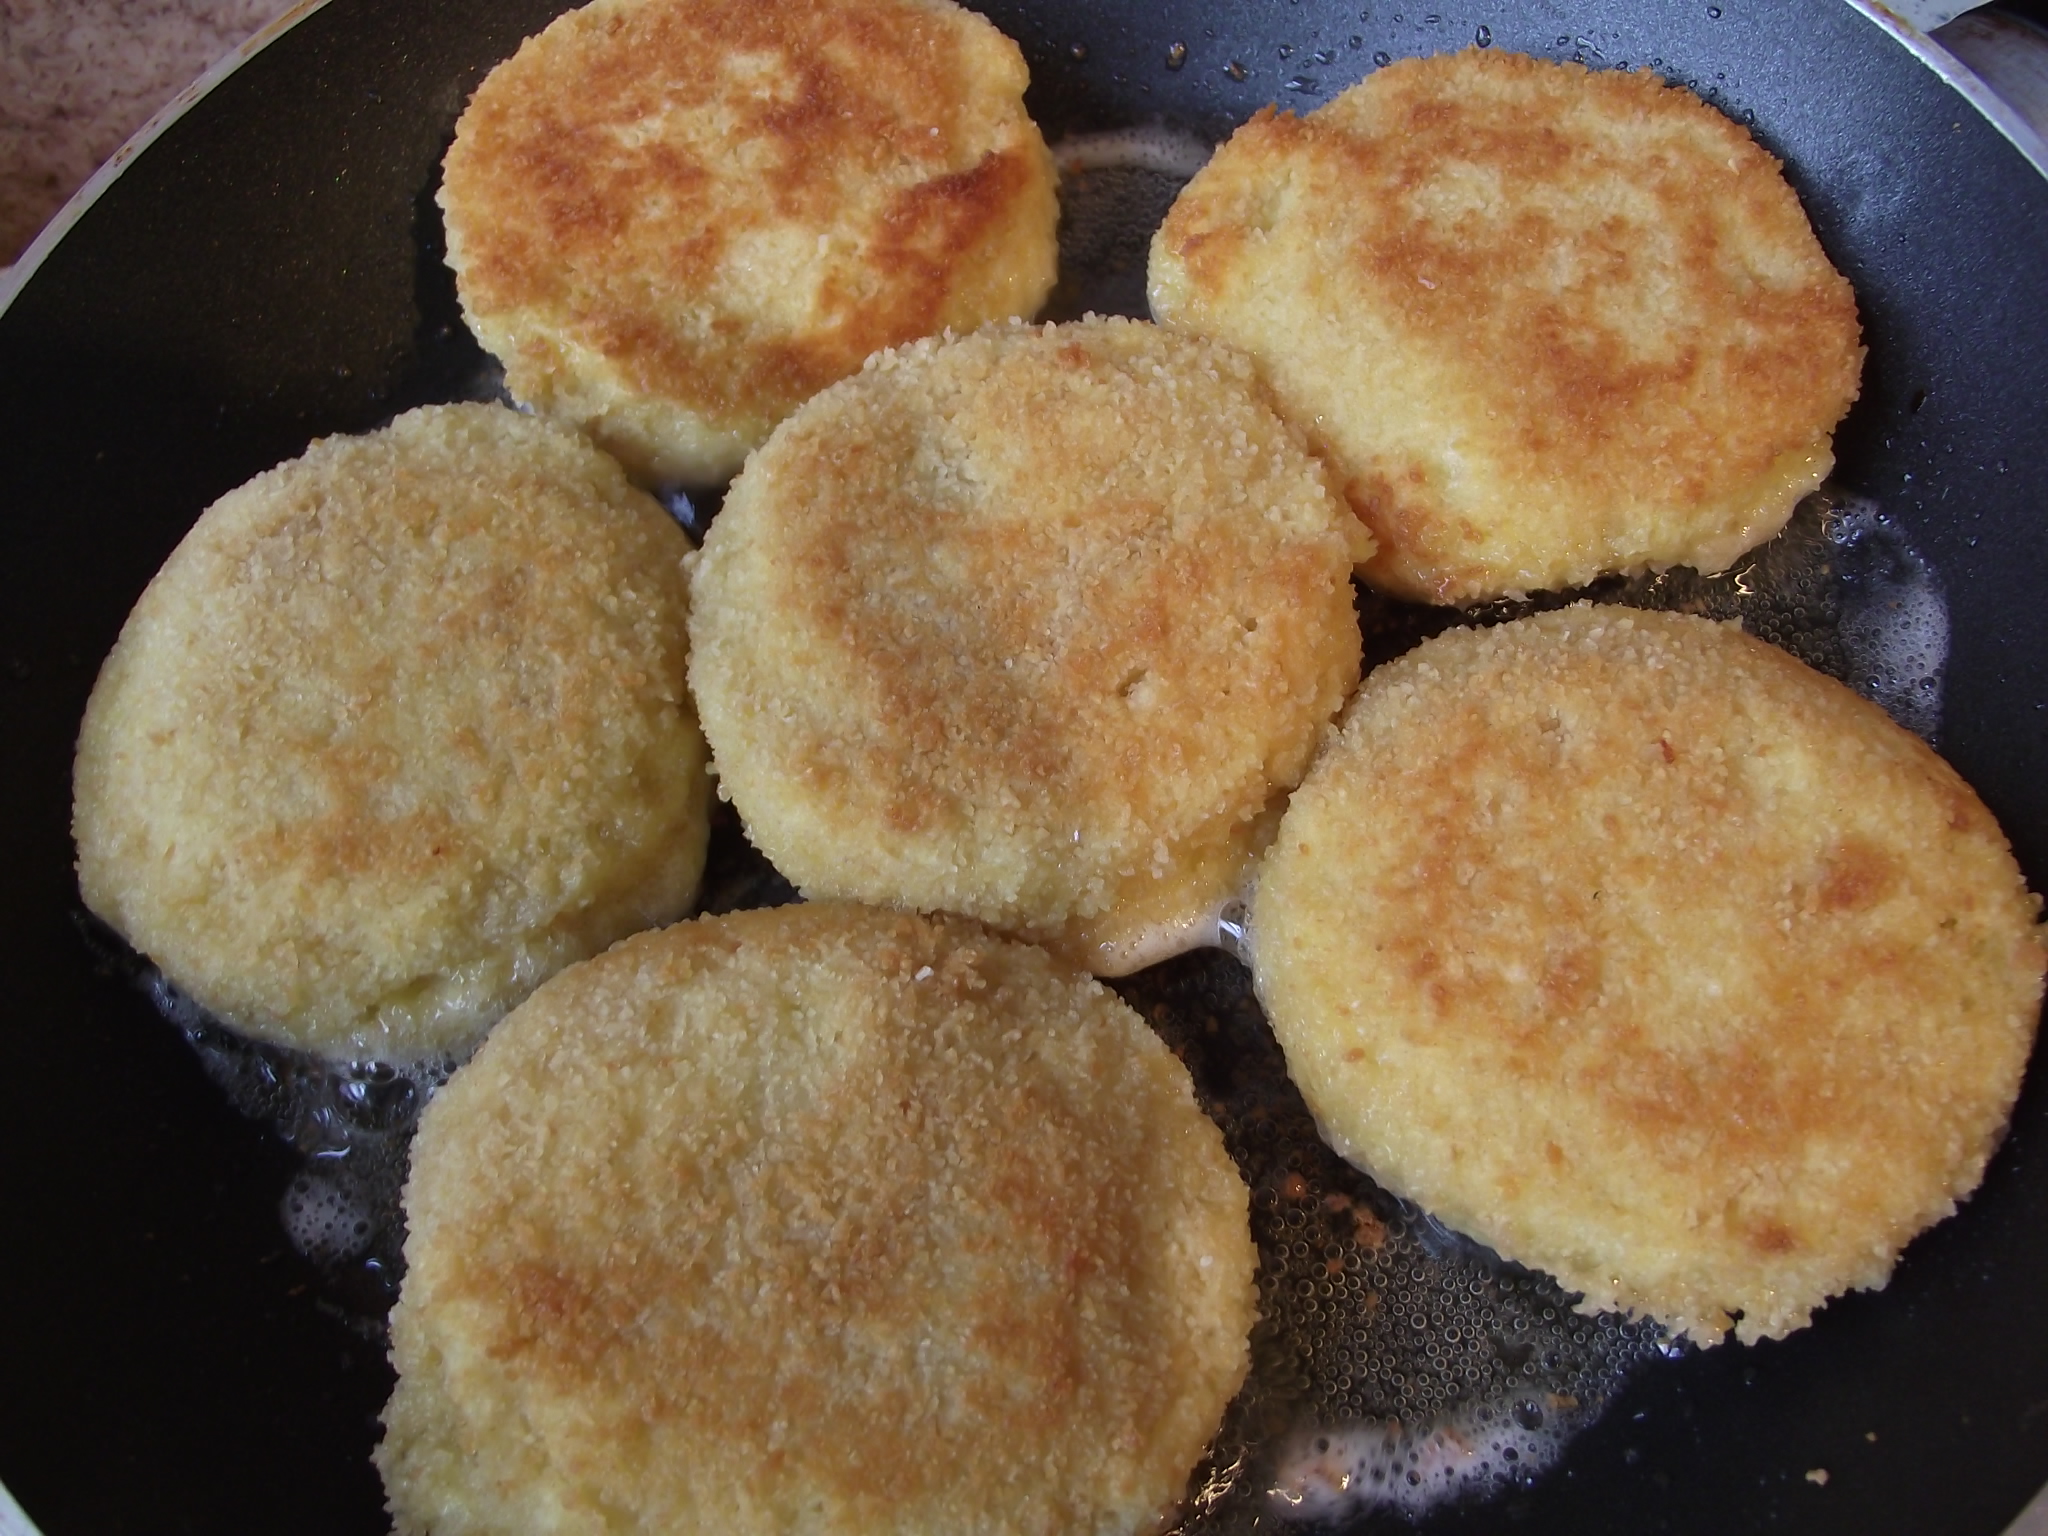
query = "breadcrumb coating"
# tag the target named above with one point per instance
(1035, 625)
(1547, 323)
(398, 730)
(1638, 950)
(675, 220)
(817, 1219)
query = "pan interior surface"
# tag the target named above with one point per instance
(235, 292)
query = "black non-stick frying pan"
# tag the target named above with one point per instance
(268, 270)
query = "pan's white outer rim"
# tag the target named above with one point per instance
(14, 278)
(1961, 79)
(2033, 1520)
(13, 1522)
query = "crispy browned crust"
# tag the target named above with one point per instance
(816, 1219)
(1633, 947)
(1033, 625)
(724, 206)
(1548, 322)
(399, 730)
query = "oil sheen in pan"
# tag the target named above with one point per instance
(1396, 1364)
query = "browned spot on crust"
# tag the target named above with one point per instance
(1858, 875)
(1774, 1238)
(1571, 980)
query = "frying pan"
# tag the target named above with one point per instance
(268, 270)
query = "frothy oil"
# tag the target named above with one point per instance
(1841, 588)
(1843, 591)
(1395, 1364)
(351, 1122)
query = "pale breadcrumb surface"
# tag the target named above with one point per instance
(816, 1219)
(398, 730)
(1631, 946)
(1035, 625)
(1547, 323)
(675, 220)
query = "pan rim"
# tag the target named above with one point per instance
(1961, 79)
(15, 278)
(1955, 74)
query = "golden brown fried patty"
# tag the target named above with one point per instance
(1033, 625)
(398, 730)
(1635, 948)
(675, 220)
(1548, 323)
(820, 1219)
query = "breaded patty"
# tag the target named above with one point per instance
(1547, 323)
(1633, 947)
(1034, 625)
(676, 220)
(815, 1219)
(398, 730)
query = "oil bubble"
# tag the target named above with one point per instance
(329, 1217)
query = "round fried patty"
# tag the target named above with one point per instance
(399, 730)
(1547, 323)
(1638, 950)
(675, 220)
(815, 1219)
(1035, 625)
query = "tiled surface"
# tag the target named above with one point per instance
(78, 76)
